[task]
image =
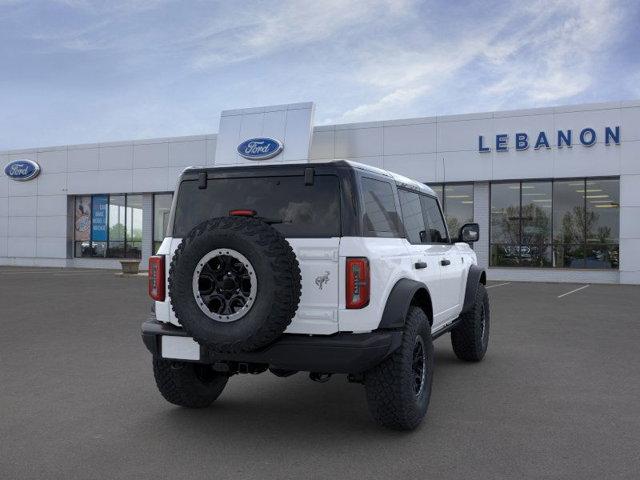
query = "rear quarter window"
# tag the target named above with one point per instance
(297, 210)
(381, 217)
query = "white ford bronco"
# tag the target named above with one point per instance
(327, 268)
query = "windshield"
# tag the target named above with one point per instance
(293, 208)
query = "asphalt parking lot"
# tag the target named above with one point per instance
(558, 395)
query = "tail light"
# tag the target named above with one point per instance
(358, 282)
(156, 278)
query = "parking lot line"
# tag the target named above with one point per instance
(573, 291)
(498, 285)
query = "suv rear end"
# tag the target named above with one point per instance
(312, 206)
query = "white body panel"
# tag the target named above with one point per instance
(318, 308)
(323, 262)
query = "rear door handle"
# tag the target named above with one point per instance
(420, 265)
(445, 262)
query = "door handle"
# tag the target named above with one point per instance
(420, 265)
(445, 262)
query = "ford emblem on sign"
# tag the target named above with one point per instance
(260, 148)
(22, 170)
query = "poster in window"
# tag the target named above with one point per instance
(83, 218)
(99, 214)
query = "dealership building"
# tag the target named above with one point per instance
(556, 190)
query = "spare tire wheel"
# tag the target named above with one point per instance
(234, 284)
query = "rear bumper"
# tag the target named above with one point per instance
(339, 353)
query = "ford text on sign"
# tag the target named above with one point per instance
(260, 148)
(22, 170)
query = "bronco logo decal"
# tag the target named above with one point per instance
(322, 279)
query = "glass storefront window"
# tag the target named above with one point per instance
(117, 219)
(603, 223)
(568, 223)
(161, 210)
(564, 224)
(82, 226)
(505, 224)
(458, 206)
(568, 212)
(456, 200)
(134, 226)
(536, 199)
(108, 226)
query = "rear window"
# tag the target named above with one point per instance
(303, 210)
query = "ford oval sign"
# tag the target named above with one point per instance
(22, 170)
(260, 148)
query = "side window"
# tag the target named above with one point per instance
(412, 216)
(436, 231)
(380, 214)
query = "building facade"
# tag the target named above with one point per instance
(556, 191)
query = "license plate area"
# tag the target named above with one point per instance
(180, 348)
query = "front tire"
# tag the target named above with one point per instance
(191, 385)
(398, 389)
(470, 338)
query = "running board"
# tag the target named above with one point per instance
(446, 328)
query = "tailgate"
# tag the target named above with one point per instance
(318, 309)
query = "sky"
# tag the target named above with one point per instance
(79, 71)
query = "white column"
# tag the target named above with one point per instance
(481, 215)
(147, 229)
(629, 229)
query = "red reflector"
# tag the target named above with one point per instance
(358, 282)
(156, 277)
(242, 213)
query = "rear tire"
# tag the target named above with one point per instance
(470, 338)
(276, 279)
(191, 385)
(398, 389)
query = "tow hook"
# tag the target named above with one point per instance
(320, 377)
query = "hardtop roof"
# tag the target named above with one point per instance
(401, 180)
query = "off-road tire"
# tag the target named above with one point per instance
(389, 386)
(190, 385)
(469, 339)
(278, 280)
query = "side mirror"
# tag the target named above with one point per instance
(469, 233)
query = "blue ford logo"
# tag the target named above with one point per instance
(260, 148)
(22, 170)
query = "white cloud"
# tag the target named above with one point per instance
(258, 32)
(543, 52)
(554, 63)
(406, 76)
(397, 98)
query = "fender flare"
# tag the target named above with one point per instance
(399, 301)
(476, 276)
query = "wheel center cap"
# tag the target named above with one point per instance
(229, 284)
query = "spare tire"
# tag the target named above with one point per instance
(234, 284)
